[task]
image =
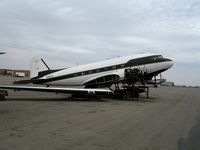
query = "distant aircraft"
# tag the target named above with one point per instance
(95, 76)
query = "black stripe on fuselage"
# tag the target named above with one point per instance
(130, 63)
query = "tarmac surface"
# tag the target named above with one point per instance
(168, 120)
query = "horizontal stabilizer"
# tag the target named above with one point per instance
(23, 82)
(158, 81)
(34, 81)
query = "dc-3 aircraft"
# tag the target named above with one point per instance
(121, 76)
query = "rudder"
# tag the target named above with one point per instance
(35, 67)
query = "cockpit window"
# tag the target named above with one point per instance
(158, 57)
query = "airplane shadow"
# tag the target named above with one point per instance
(192, 142)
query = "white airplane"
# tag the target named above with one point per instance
(92, 77)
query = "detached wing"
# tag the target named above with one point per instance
(59, 90)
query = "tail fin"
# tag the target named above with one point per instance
(35, 66)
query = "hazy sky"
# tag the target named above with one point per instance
(66, 32)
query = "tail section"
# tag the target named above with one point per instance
(35, 67)
(38, 69)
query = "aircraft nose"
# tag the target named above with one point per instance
(170, 63)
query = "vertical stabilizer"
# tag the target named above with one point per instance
(35, 66)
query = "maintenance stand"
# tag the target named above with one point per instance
(129, 87)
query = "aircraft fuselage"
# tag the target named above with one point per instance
(82, 74)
